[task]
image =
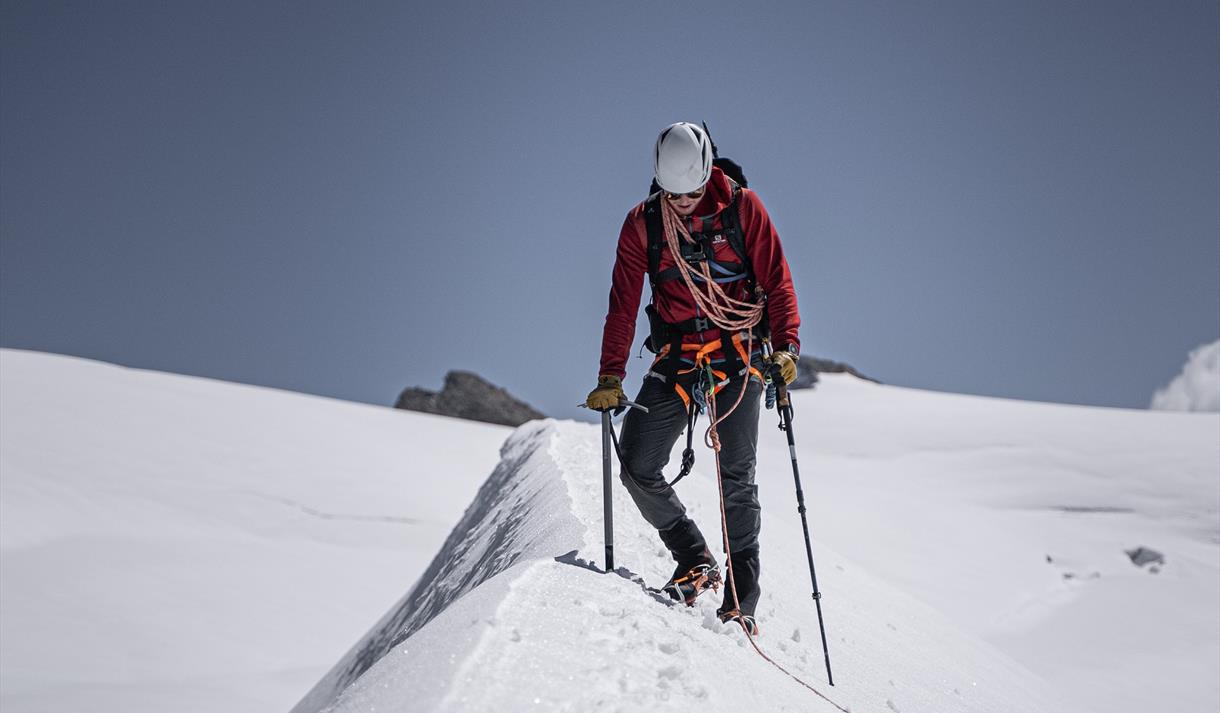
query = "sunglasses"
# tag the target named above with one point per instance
(693, 194)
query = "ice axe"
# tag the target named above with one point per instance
(607, 492)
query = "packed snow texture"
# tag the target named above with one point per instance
(169, 543)
(1197, 388)
(972, 553)
(553, 632)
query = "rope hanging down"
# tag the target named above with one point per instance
(731, 315)
(724, 530)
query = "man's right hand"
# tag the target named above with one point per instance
(607, 395)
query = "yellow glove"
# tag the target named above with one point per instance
(608, 393)
(786, 361)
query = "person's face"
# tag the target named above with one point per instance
(684, 203)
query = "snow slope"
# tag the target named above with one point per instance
(544, 632)
(1007, 521)
(962, 499)
(170, 543)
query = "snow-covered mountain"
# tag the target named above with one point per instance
(971, 551)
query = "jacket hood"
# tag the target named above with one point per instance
(719, 194)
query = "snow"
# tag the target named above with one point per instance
(555, 633)
(173, 543)
(1197, 388)
(207, 546)
(1007, 521)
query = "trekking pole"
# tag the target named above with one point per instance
(785, 414)
(607, 492)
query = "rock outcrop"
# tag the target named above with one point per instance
(469, 396)
(808, 368)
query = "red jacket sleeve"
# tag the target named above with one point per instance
(771, 271)
(630, 267)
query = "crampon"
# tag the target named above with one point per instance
(697, 580)
(744, 619)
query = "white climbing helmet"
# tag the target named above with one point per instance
(682, 160)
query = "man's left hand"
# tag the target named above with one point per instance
(785, 361)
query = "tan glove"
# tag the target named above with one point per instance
(786, 361)
(608, 393)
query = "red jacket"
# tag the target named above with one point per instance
(673, 298)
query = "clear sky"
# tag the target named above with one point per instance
(1018, 199)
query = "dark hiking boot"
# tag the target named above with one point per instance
(744, 575)
(687, 587)
(744, 620)
(696, 569)
(686, 544)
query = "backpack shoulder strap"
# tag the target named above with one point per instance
(730, 218)
(656, 236)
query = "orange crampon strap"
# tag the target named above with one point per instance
(745, 620)
(699, 579)
(700, 574)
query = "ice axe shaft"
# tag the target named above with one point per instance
(607, 492)
(607, 503)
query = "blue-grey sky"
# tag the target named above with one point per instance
(1013, 199)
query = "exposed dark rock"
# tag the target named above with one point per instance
(808, 368)
(469, 396)
(1141, 556)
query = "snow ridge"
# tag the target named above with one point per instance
(503, 526)
(515, 614)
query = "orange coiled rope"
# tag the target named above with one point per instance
(724, 311)
(729, 314)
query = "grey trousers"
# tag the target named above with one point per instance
(648, 439)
